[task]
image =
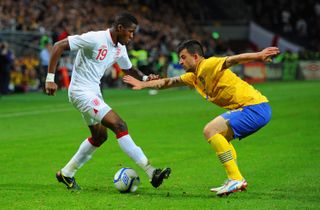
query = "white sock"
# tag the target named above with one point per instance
(135, 153)
(83, 154)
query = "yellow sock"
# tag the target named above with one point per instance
(224, 153)
(233, 151)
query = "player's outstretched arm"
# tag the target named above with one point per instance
(136, 73)
(57, 50)
(158, 84)
(264, 56)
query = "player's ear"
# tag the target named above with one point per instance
(119, 27)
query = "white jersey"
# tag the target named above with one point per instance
(96, 53)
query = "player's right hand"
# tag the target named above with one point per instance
(51, 88)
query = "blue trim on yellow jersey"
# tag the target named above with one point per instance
(248, 119)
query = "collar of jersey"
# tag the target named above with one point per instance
(197, 68)
(110, 38)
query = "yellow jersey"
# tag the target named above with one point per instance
(222, 86)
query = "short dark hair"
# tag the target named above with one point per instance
(125, 19)
(192, 46)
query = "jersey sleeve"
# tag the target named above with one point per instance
(86, 40)
(214, 64)
(124, 61)
(188, 78)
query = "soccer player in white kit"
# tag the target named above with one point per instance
(97, 51)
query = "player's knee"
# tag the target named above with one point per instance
(120, 126)
(209, 131)
(98, 140)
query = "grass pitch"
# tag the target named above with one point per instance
(39, 134)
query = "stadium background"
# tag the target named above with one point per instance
(39, 133)
(27, 26)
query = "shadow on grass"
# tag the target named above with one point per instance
(145, 192)
(152, 192)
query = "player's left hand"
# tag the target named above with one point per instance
(268, 53)
(153, 77)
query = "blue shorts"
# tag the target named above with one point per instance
(248, 119)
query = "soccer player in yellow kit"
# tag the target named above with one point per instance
(248, 109)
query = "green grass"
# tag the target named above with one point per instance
(39, 134)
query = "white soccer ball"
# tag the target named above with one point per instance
(126, 180)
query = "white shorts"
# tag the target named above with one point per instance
(91, 105)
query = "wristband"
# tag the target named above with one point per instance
(145, 78)
(50, 77)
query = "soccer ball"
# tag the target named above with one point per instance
(126, 180)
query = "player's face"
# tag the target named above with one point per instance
(126, 34)
(187, 61)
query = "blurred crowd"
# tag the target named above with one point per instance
(162, 25)
(295, 20)
(17, 74)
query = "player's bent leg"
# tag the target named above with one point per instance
(83, 155)
(93, 108)
(224, 153)
(213, 132)
(126, 143)
(98, 134)
(222, 126)
(113, 121)
(217, 125)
